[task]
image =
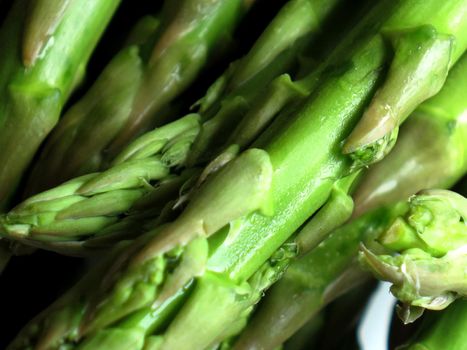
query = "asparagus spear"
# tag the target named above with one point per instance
(64, 228)
(87, 204)
(434, 135)
(312, 283)
(41, 23)
(308, 336)
(430, 239)
(299, 186)
(345, 314)
(255, 99)
(40, 67)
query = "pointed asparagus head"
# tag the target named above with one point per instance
(425, 253)
(84, 206)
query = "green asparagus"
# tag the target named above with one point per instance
(446, 330)
(436, 147)
(40, 67)
(74, 149)
(87, 204)
(51, 221)
(430, 239)
(299, 157)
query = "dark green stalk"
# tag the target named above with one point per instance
(143, 30)
(40, 67)
(308, 336)
(445, 330)
(345, 314)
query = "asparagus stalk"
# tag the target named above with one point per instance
(236, 261)
(41, 23)
(226, 290)
(182, 49)
(40, 67)
(65, 229)
(446, 330)
(308, 336)
(345, 314)
(299, 185)
(255, 99)
(412, 167)
(144, 78)
(143, 30)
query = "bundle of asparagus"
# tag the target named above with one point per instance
(430, 153)
(197, 218)
(40, 220)
(162, 59)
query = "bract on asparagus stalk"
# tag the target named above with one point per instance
(422, 58)
(435, 145)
